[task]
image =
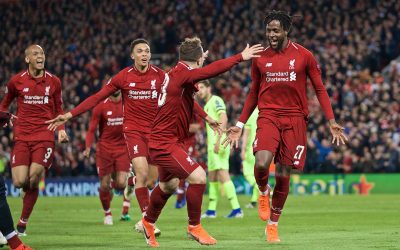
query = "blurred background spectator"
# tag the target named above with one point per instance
(87, 41)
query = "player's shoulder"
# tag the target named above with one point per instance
(19, 76)
(217, 99)
(263, 55)
(52, 77)
(301, 49)
(124, 71)
(155, 69)
(178, 70)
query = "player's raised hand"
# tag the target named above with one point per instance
(59, 120)
(251, 52)
(86, 152)
(214, 125)
(6, 119)
(232, 137)
(62, 136)
(337, 132)
(205, 54)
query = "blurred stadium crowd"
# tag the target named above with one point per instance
(87, 41)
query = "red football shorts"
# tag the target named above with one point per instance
(173, 162)
(137, 144)
(109, 160)
(27, 152)
(285, 137)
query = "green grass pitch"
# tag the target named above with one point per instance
(308, 222)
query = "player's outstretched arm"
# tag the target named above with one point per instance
(337, 132)
(223, 65)
(58, 121)
(214, 125)
(245, 138)
(232, 136)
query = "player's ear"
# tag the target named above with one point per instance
(26, 59)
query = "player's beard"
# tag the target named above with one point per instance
(279, 44)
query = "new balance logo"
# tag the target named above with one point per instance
(190, 160)
(132, 84)
(296, 163)
(25, 90)
(135, 149)
(109, 112)
(268, 65)
(292, 76)
(291, 63)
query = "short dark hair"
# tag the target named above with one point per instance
(206, 82)
(137, 41)
(284, 18)
(190, 49)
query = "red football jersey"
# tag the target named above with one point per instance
(108, 117)
(139, 97)
(279, 83)
(38, 100)
(176, 99)
(197, 116)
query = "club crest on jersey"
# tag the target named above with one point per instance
(153, 84)
(190, 160)
(132, 84)
(268, 65)
(25, 90)
(291, 63)
(255, 143)
(109, 112)
(47, 90)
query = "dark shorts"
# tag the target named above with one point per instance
(109, 161)
(27, 152)
(285, 137)
(174, 162)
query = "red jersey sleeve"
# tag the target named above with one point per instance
(213, 69)
(94, 122)
(10, 94)
(314, 72)
(113, 85)
(58, 102)
(198, 110)
(252, 98)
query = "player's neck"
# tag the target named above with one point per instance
(193, 65)
(284, 45)
(141, 68)
(35, 73)
(208, 97)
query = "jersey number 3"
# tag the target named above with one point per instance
(163, 95)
